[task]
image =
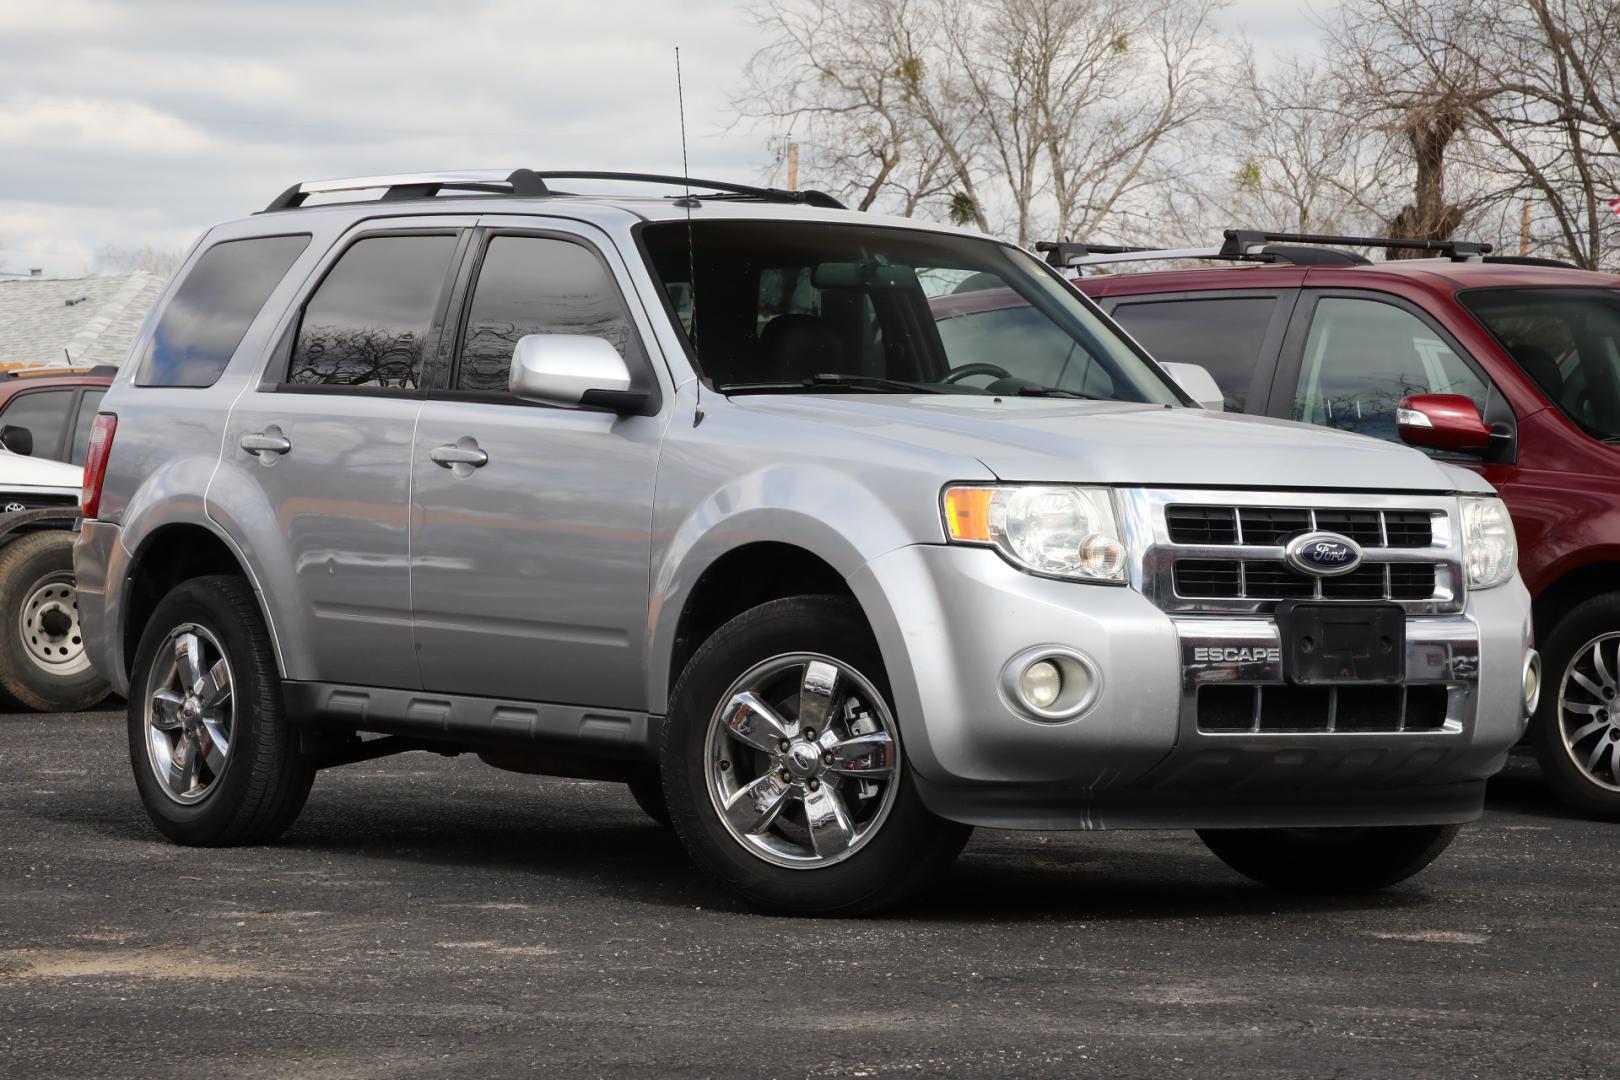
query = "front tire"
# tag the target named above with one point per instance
(1576, 729)
(783, 769)
(43, 663)
(215, 761)
(1335, 860)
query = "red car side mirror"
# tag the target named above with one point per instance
(1442, 422)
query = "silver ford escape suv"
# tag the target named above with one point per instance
(717, 495)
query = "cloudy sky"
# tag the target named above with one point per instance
(140, 122)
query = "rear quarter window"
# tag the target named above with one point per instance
(211, 311)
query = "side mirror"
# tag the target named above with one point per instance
(573, 369)
(1443, 422)
(19, 440)
(1199, 384)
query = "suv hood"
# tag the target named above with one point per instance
(28, 472)
(1124, 444)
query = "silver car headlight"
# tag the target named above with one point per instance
(1046, 529)
(1490, 548)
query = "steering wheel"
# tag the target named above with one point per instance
(967, 371)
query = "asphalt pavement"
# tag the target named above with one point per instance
(432, 916)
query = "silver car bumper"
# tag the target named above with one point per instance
(1138, 755)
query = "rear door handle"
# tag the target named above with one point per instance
(461, 456)
(266, 442)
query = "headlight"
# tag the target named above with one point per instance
(1066, 532)
(1490, 550)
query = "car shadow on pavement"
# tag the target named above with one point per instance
(579, 843)
(1521, 789)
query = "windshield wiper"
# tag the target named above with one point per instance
(1037, 390)
(832, 380)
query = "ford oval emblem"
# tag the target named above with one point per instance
(1323, 554)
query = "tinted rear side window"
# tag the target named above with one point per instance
(212, 309)
(367, 324)
(1224, 336)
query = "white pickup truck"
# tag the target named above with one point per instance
(43, 665)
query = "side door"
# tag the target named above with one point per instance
(530, 571)
(331, 425)
(1235, 335)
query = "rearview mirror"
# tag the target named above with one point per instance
(1199, 384)
(19, 440)
(573, 369)
(1442, 422)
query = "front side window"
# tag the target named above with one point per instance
(785, 305)
(1225, 336)
(213, 308)
(1568, 341)
(368, 322)
(1363, 357)
(45, 414)
(536, 285)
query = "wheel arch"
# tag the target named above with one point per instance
(742, 578)
(1570, 588)
(171, 554)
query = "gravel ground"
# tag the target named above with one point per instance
(435, 917)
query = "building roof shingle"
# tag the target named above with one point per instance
(78, 322)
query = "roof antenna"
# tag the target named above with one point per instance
(687, 202)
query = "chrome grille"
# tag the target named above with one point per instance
(1222, 551)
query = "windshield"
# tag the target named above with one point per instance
(787, 305)
(1568, 341)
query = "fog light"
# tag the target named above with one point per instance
(1041, 684)
(1532, 682)
(1050, 684)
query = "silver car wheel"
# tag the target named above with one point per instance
(49, 622)
(802, 761)
(1589, 711)
(190, 714)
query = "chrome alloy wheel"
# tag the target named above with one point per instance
(190, 715)
(49, 622)
(801, 761)
(1589, 710)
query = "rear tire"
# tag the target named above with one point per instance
(1339, 860)
(1584, 771)
(43, 664)
(215, 760)
(869, 844)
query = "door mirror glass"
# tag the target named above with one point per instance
(1199, 384)
(19, 440)
(572, 369)
(1443, 422)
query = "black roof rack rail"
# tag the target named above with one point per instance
(1241, 240)
(1531, 260)
(527, 183)
(1063, 253)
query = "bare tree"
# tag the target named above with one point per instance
(112, 259)
(1045, 114)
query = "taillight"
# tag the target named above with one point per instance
(95, 462)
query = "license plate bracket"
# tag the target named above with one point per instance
(1342, 644)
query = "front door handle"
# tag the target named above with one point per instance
(266, 443)
(460, 457)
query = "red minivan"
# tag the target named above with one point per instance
(1508, 366)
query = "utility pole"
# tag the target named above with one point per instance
(1524, 230)
(793, 166)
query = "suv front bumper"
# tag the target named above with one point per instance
(948, 619)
